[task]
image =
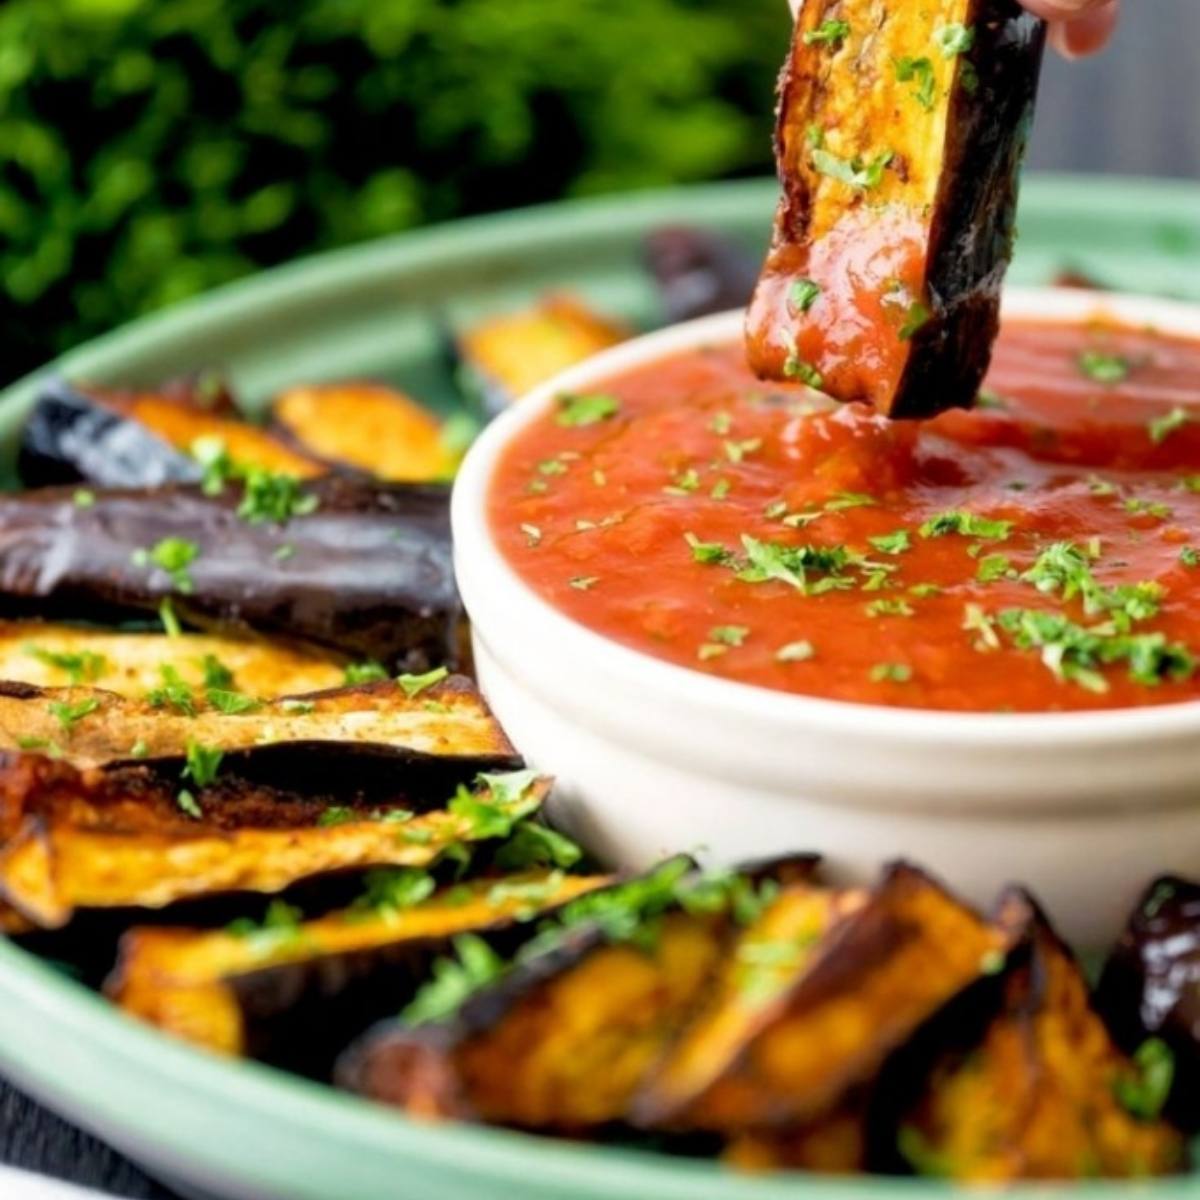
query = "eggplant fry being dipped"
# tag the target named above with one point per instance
(132, 663)
(901, 131)
(365, 427)
(118, 438)
(293, 992)
(73, 840)
(356, 567)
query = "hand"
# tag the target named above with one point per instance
(1077, 27)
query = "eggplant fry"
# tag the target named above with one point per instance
(367, 427)
(1149, 992)
(131, 664)
(362, 568)
(562, 1037)
(875, 977)
(78, 840)
(294, 990)
(834, 1145)
(113, 438)
(372, 724)
(502, 358)
(1039, 1096)
(901, 131)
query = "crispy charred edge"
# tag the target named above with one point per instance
(60, 826)
(108, 436)
(865, 939)
(413, 1067)
(309, 764)
(300, 417)
(974, 217)
(299, 1013)
(1158, 945)
(1019, 992)
(698, 272)
(49, 565)
(502, 357)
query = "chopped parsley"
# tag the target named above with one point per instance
(174, 555)
(954, 38)
(1065, 569)
(454, 980)
(297, 708)
(281, 923)
(414, 685)
(737, 451)
(729, 635)
(1145, 1095)
(390, 890)
(892, 543)
(536, 845)
(579, 411)
(917, 316)
(993, 567)
(170, 622)
(709, 553)
(1101, 367)
(173, 692)
(967, 524)
(1162, 427)
(188, 804)
(796, 368)
(790, 564)
(891, 672)
(203, 763)
(69, 715)
(1190, 556)
(232, 703)
(830, 33)
(804, 294)
(855, 172)
(890, 608)
(364, 672)
(83, 498)
(920, 72)
(216, 673)
(271, 496)
(84, 667)
(720, 489)
(849, 500)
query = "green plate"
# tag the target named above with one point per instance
(245, 1131)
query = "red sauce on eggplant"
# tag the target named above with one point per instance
(1039, 553)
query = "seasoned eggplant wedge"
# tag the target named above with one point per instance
(444, 727)
(901, 132)
(699, 272)
(131, 664)
(1044, 1094)
(1150, 992)
(139, 439)
(357, 567)
(295, 992)
(834, 1145)
(367, 427)
(874, 978)
(78, 840)
(504, 357)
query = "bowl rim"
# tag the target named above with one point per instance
(478, 558)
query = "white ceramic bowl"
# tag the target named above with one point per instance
(653, 758)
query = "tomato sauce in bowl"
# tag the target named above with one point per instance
(1040, 553)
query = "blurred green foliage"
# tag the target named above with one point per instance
(150, 149)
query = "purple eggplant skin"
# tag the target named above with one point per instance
(699, 272)
(1150, 987)
(368, 573)
(70, 437)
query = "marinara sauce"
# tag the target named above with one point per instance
(1039, 553)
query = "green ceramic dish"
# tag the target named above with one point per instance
(245, 1131)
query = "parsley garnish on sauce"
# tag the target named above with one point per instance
(580, 411)
(804, 294)
(1104, 368)
(1162, 427)
(967, 524)
(889, 672)
(796, 368)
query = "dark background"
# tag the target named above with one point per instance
(150, 149)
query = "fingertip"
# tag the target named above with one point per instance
(1087, 34)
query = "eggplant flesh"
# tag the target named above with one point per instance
(295, 996)
(1150, 987)
(112, 438)
(901, 131)
(367, 573)
(72, 840)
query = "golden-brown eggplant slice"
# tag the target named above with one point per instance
(370, 725)
(560, 1044)
(902, 124)
(504, 357)
(874, 978)
(834, 1145)
(77, 840)
(114, 438)
(749, 992)
(1039, 1096)
(48, 655)
(366, 426)
(562, 1037)
(294, 991)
